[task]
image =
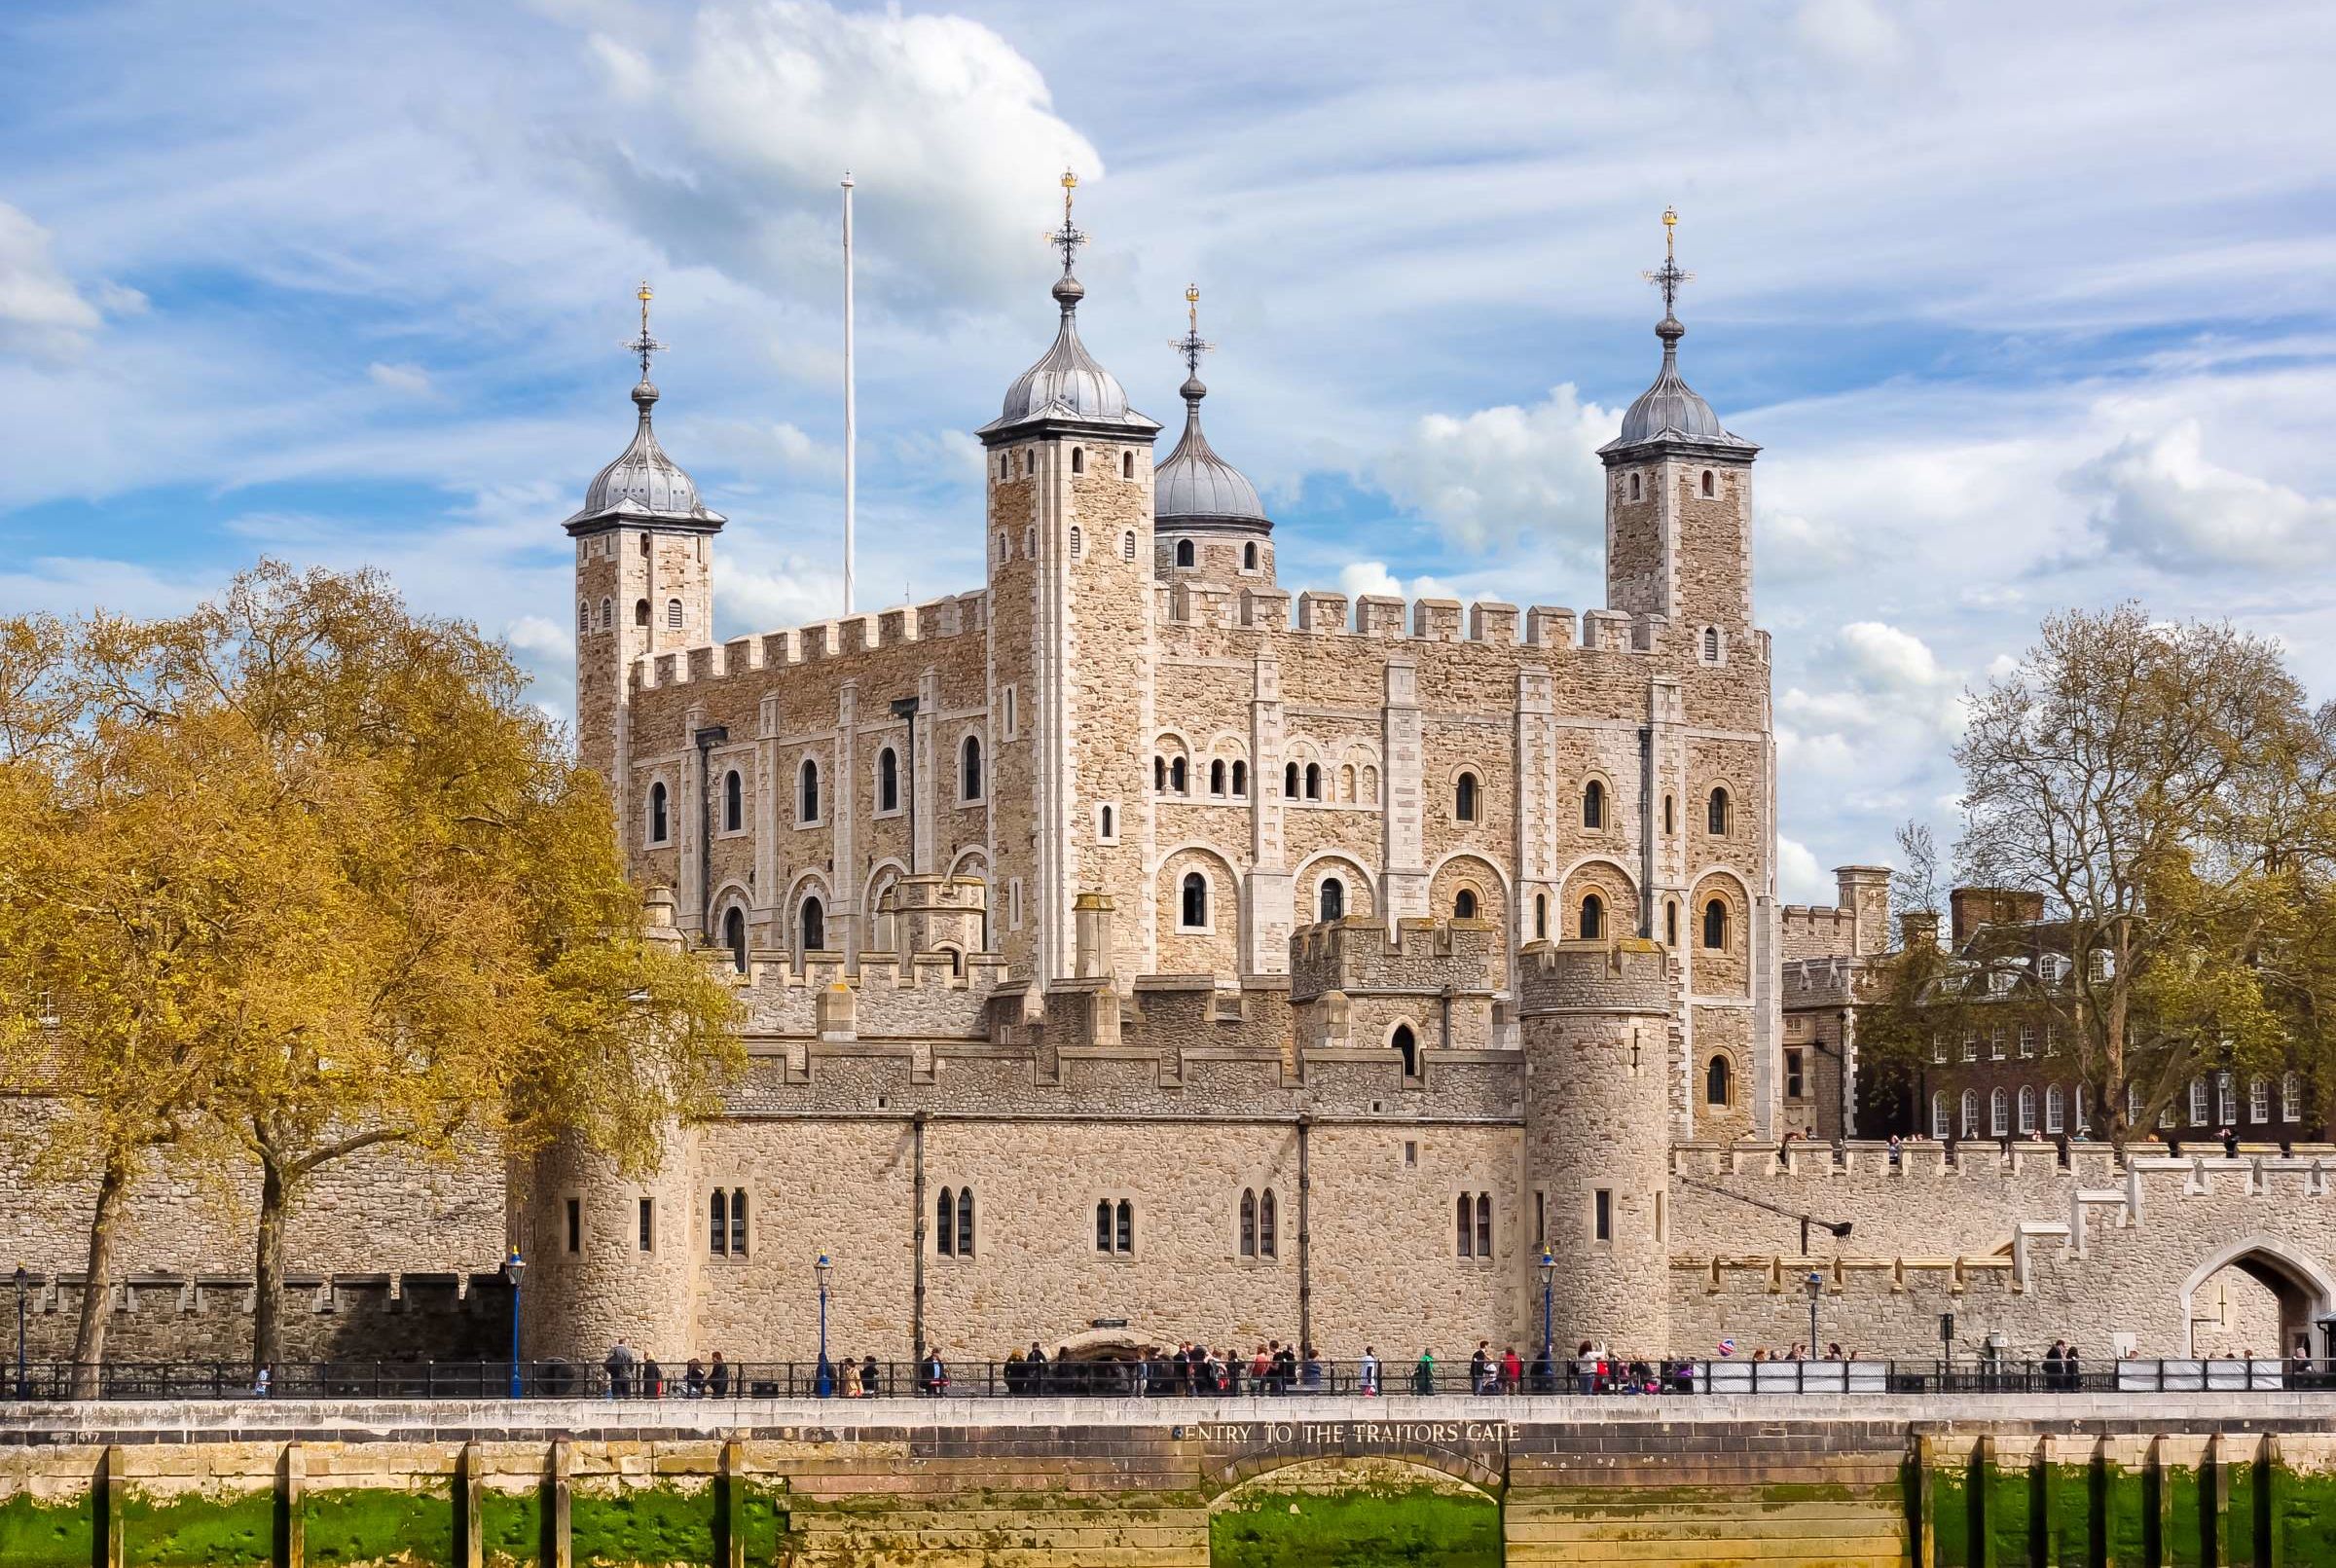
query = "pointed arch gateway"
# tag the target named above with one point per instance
(2303, 1285)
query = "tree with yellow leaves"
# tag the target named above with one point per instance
(446, 948)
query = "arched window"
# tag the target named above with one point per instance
(1127, 540)
(1968, 1126)
(1114, 1226)
(1001, 549)
(673, 614)
(1183, 552)
(1289, 781)
(944, 1225)
(737, 1222)
(641, 612)
(1463, 904)
(1240, 779)
(1194, 909)
(583, 616)
(1711, 644)
(2027, 1110)
(718, 1209)
(1715, 923)
(734, 802)
(1346, 783)
(1634, 486)
(1128, 470)
(2258, 1098)
(1216, 776)
(608, 616)
(1178, 779)
(1593, 918)
(888, 779)
(1594, 805)
(1249, 1222)
(1941, 1127)
(1670, 923)
(964, 1221)
(1159, 776)
(813, 925)
(1711, 486)
(1111, 823)
(1715, 814)
(1999, 1119)
(1406, 1045)
(1483, 1224)
(1077, 543)
(968, 768)
(807, 804)
(644, 546)
(1313, 781)
(2292, 1097)
(658, 826)
(1464, 1225)
(734, 937)
(1541, 917)
(1669, 813)
(1330, 900)
(1249, 558)
(1464, 798)
(1079, 460)
(1268, 1243)
(2055, 1110)
(1717, 1087)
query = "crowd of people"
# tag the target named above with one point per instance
(637, 1374)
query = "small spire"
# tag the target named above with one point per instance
(1191, 346)
(1068, 291)
(645, 345)
(1668, 277)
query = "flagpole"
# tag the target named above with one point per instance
(850, 411)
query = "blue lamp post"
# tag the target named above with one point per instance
(825, 1385)
(23, 1389)
(1548, 1337)
(512, 1267)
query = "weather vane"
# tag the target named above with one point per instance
(1668, 277)
(645, 345)
(1068, 238)
(1191, 345)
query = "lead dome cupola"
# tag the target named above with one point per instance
(1193, 486)
(1670, 409)
(643, 484)
(1068, 386)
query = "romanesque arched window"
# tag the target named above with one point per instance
(1192, 910)
(1114, 1226)
(734, 937)
(807, 799)
(1464, 798)
(1077, 543)
(1128, 470)
(1079, 459)
(659, 828)
(1249, 1222)
(1670, 921)
(1178, 777)
(1593, 917)
(1127, 540)
(734, 802)
(968, 769)
(1406, 1045)
(673, 614)
(1159, 776)
(1711, 483)
(1240, 779)
(1711, 644)
(1718, 1085)
(1594, 805)
(1313, 781)
(1463, 904)
(1249, 558)
(1216, 776)
(1715, 923)
(1330, 900)
(888, 779)
(1289, 781)
(583, 616)
(1266, 1242)
(1541, 917)
(608, 616)
(1715, 814)
(813, 925)
(641, 612)
(1183, 552)
(1635, 492)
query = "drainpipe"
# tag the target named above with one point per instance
(1305, 1242)
(707, 739)
(916, 1332)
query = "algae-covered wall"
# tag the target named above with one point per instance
(1266, 1483)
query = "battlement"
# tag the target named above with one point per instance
(1628, 974)
(1385, 618)
(955, 617)
(1361, 957)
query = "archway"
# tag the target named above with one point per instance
(1428, 1510)
(2300, 1288)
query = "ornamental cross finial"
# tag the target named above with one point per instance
(1068, 238)
(1191, 345)
(1668, 277)
(645, 345)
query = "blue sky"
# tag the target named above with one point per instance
(2030, 307)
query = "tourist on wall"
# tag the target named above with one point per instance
(619, 1367)
(1513, 1371)
(1585, 1369)
(717, 1377)
(1367, 1377)
(652, 1378)
(1423, 1375)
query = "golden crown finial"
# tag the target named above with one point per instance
(1670, 225)
(646, 293)
(1070, 180)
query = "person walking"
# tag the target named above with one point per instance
(2052, 1364)
(1479, 1368)
(619, 1367)
(1366, 1380)
(1423, 1375)
(1513, 1371)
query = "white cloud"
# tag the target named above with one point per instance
(1360, 577)
(1504, 474)
(41, 311)
(2162, 501)
(533, 634)
(411, 380)
(1798, 875)
(1881, 658)
(1854, 33)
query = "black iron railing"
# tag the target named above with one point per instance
(1162, 1378)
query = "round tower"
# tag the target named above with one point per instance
(610, 1257)
(1595, 1025)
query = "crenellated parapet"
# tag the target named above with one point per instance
(939, 621)
(1629, 975)
(1358, 956)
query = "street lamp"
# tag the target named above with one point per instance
(825, 1385)
(1548, 1338)
(1815, 1284)
(512, 1267)
(23, 1389)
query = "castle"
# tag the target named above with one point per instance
(1136, 950)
